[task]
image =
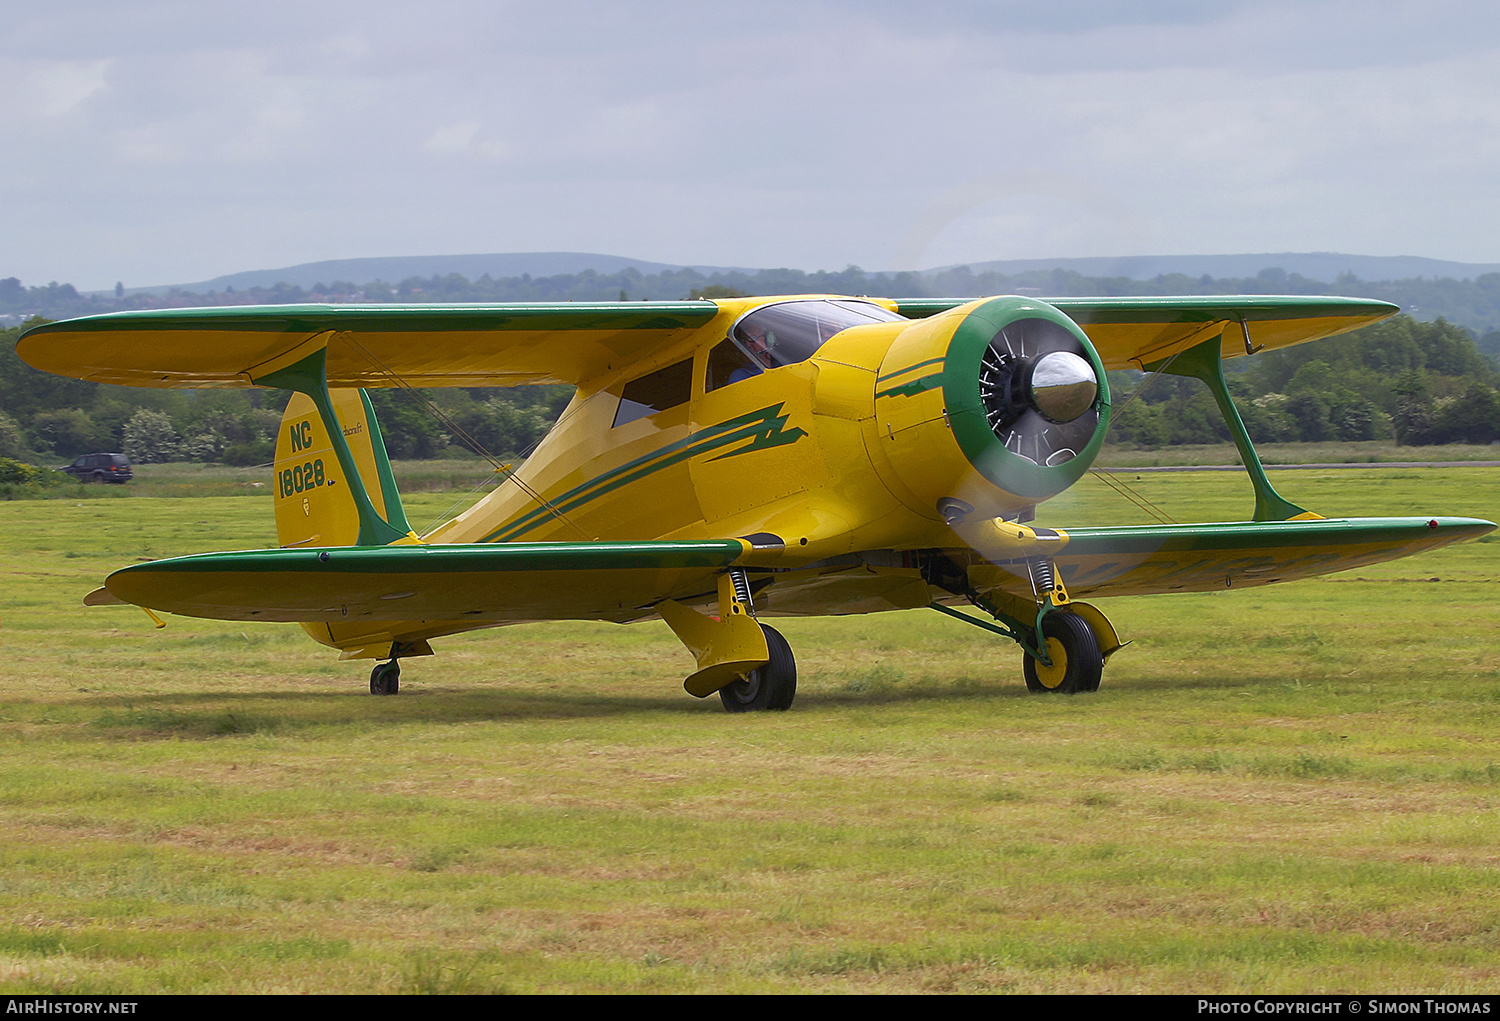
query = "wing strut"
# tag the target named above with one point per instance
(1205, 361)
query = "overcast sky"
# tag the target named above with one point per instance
(170, 141)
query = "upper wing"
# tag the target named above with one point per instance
(503, 345)
(1133, 332)
(492, 583)
(423, 345)
(1147, 559)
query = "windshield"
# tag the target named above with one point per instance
(785, 333)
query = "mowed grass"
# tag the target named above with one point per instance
(1289, 789)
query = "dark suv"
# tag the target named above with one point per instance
(100, 468)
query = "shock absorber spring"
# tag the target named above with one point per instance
(741, 585)
(1043, 577)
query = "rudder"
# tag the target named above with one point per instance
(314, 503)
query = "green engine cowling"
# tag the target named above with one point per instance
(991, 407)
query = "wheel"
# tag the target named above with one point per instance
(773, 686)
(98, 477)
(1076, 662)
(385, 679)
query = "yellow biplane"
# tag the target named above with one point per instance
(727, 461)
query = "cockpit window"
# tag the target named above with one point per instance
(785, 333)
(662, 389)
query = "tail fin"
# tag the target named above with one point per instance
(315, 505)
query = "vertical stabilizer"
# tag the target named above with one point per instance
(315, 504)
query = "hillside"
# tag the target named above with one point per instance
(1470, 301)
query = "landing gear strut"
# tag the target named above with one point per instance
(385, 679)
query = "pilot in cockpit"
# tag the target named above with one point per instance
(759, 342)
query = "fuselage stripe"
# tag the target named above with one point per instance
(910, 368)
(913, 388)
(763, 428)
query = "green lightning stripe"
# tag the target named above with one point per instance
(761, 429)
(910, 368)
(913, 388)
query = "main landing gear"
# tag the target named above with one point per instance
(385, 679)
(749, 664)
(772, 686)
(1077, 663)
(1065, 644)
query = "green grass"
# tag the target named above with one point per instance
(1352, 452)
(464, 476)
(1285, 789)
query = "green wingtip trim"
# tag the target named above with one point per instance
(310, 376)
(1205, 362)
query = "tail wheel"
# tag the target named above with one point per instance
(773, 686)
(385, 679)
(1076, 661)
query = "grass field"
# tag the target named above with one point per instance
(1287, 789)
(465, 475)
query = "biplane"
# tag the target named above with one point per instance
(726, 462)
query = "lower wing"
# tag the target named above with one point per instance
(481, 583)
(498, 583)
(1145, 559)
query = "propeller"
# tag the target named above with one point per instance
(1039, 392)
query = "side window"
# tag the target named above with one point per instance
(658, 391)
(728, 364)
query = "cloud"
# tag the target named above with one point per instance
(169, 140)
(49, 89)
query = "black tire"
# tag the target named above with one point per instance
(385, 679)
(97, 477)
(773, 686)
(1076, 662)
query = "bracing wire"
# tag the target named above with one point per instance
(448, 512)
(1140, 501)
(1120, 485)
(466, 438)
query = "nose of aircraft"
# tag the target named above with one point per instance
(1002, 403)
(1063, 386)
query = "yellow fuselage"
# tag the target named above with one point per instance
(798, 452)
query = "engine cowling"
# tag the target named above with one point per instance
(998, 405)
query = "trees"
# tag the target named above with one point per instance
(150, 438)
